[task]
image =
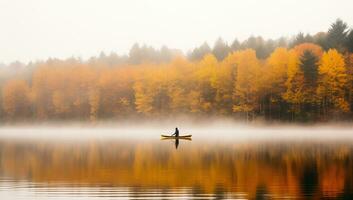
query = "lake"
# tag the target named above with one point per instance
(229, 163)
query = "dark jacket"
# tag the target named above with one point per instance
(176, 133)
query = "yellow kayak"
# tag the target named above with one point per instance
(174, 137)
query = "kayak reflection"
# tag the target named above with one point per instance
(176, 140)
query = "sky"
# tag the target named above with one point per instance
(33, 30)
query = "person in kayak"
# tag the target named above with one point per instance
(176, 133)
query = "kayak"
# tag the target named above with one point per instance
(183, 138)
(179, 137)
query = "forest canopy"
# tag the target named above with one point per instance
(305, 78)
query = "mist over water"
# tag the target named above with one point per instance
(226, 130)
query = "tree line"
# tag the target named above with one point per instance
(308, 78)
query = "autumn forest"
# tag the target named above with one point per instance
(299, 79)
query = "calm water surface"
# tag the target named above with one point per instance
(223, 166)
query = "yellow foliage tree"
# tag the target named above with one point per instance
(294, 83)
(332, 81)
(16, 98)
(222, 82)
(245, 94)
(205, 76)
(274, 78)
(151, 90)
(179, 85)
(94, 101)
(116, 93)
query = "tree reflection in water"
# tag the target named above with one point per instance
(255, 170)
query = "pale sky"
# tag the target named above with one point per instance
(38, 29)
